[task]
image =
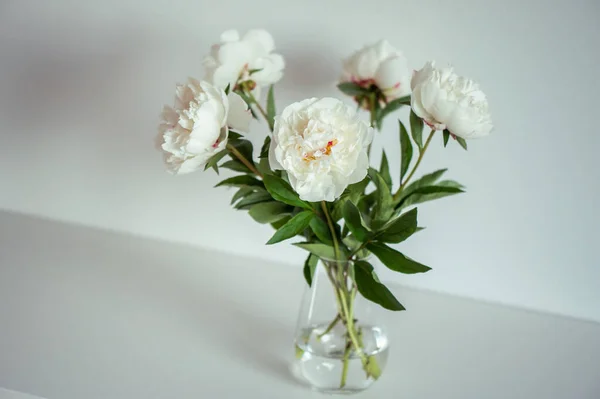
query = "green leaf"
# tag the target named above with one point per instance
(271, 107)
(243, 180)
(228, 88)
(395, 260)
(406, 150)
(268, 212)
(449, 183)
(282, 191)
(338, 206)
(351, 89)
(392, 106)
(321, 230)
(428, 193)
(253, 71)
(354, 221)
(264, 150)
(446, 136)
(323, 251)
(242, 192)
(383, 208)
(245, 97)
(277, 225)
(462, 142)
(235, 165)
(234, 136)
(356, 190)
(369, 287)
(416, 129)
(253, 198)
(244, 147)
(353, 245)
(425, 180)
(295, 226)
(310, 265)
(212, 162)
(384, 170)
(400, 228)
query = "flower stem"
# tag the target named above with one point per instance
(345, 363)
(336, 246)
(259, 107)
(330, 326)
(414, 169)
(239, 156)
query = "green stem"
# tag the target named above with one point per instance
(239, 156)
(330, 326)
(336, 246)
(259, 107)
(414, 169)
(345, 362)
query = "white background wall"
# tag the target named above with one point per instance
(82, 85)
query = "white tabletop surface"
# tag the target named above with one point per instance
(89, 314)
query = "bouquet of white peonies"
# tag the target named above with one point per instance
(312, 177)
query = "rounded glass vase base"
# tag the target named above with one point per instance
(324, 362)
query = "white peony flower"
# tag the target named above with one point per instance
(322, 145)
(447, 101)
(247, 59)
(198, 126)
(382, 65)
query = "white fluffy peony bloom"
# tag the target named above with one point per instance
(380, 64)
(447, 101)
(198, 125)
(241, 59)
(322, 144)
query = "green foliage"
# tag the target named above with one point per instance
(310, 265)
(242, 192)
(321, 230)
(243, 180)
(416, 129)
(406, 151)
(321, 250)
(264, 150)
(293, 227)
(282, 191)
(354, 221)
(428, 193)
(384, 170)
(446, 136)
(383, 208)
(351, 89)
(390, 107)
(253, 198)
(371, 288)
(212, 162)
(269, 212)
(400, 228)
(395, 260)
(462, 142)
(235, 165)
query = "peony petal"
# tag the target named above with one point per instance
(417, 105)
(262, 39)
(226, 75)
(235, 53)
(239, 116)
(273, 162)
(392, 73)
(205, 133)
(231, 35)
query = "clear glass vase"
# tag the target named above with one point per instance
(341, 346)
